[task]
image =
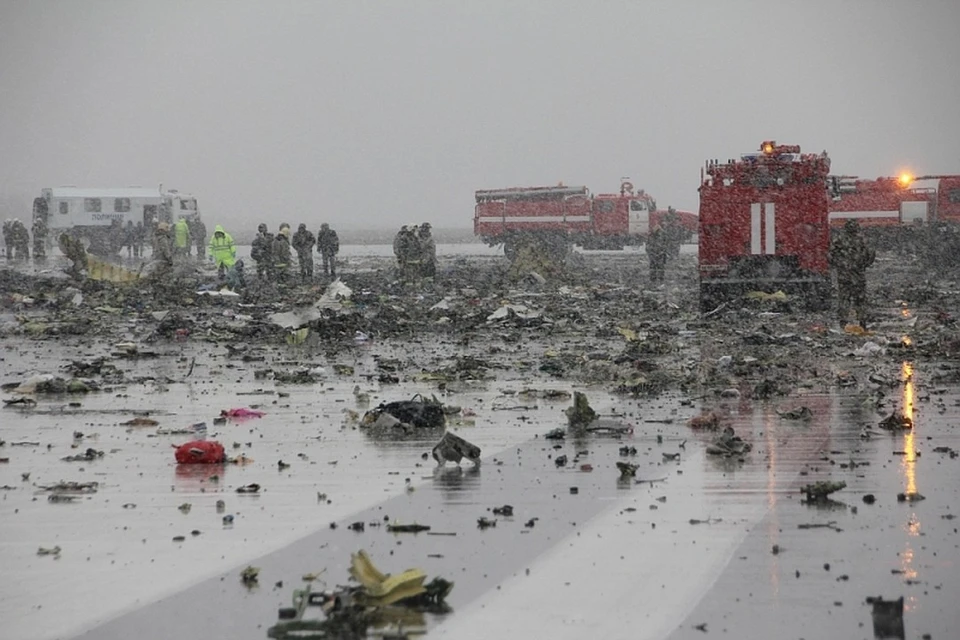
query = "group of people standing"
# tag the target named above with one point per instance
(188, 232)
(416, 252)
(273, 256)
(16, 239)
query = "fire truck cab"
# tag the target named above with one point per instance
(763, 225)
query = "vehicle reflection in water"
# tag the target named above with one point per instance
(774, 526)
(908, 470)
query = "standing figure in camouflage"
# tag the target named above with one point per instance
(281, 256)
(849, 257)
(39, 239)
(658, 250)
(328, 244)
(262, 252)
(303, 242)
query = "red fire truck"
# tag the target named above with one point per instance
(763, 225)
(886, 205)
(561, 216)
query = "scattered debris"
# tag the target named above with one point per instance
(798, 413)
(249, 576)
(241, 413)
(911, 496)
(728, 444)
(819, 492)
(627, 470)
(140, 421)
(887, 617)
(200, 452)
(453, 448)
(896, 421)
(87, 456)
(407, 528)
(71, 487)
(709, 420)
(416, 413)
(581, 414)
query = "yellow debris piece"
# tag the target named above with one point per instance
(384, 589)
(763, 296)
(855, 330)
(98, 269)
(298, 336)
(629, 334)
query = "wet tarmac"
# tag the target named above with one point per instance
(688, 542)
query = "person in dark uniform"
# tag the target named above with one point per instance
(328, 244)
(261, 250)
(850, 257)
(39, 239)
(658, 250)
(303, 242)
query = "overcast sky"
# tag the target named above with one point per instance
(374, 114)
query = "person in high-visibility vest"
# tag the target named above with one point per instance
(181, 237)
(222, 250)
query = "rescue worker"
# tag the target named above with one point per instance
(261, 250)
(328, 244)
(222, 250)
(162, 262)
(39, 239)
(139, 235)
(8, 238)
(114, 239)
(235, 278)
(303, 242)
(398, 241)
(408, 252)
(198, 231)
(281, 256)
(849, 257)
(658, 251)
(181, 238)
(129, 237)
(151, 230)
(73, 250)
(428, 252)
(163, 251)
(21, 240)
(673, 232)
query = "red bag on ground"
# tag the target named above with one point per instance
(200, 452)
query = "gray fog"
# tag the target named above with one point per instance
(373, 114)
